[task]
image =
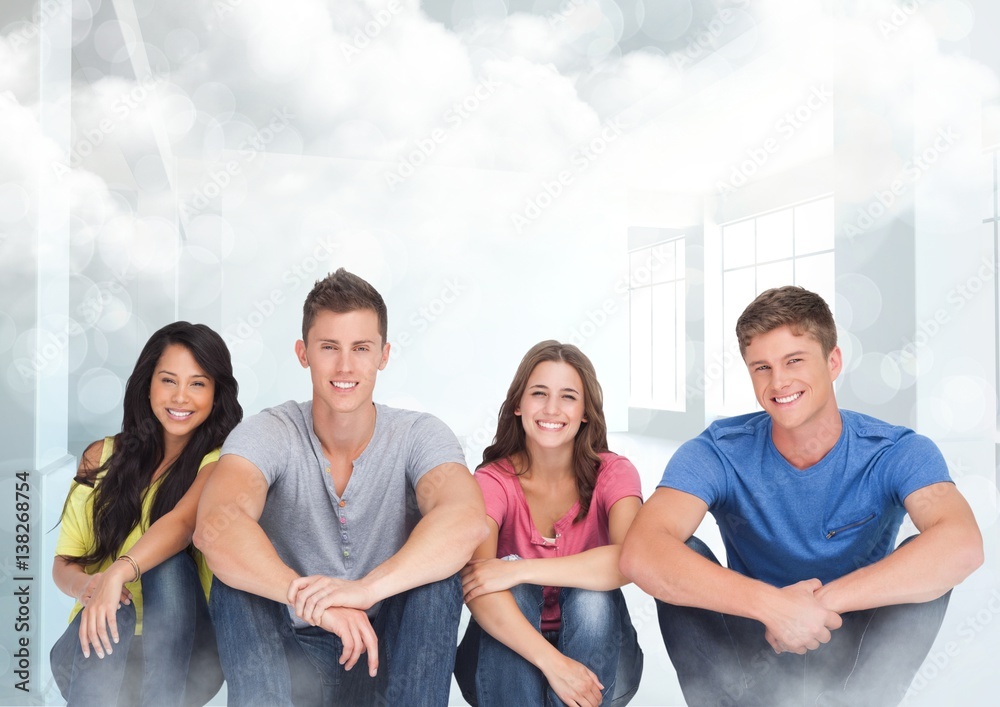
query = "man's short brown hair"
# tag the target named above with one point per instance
(803, 311)
(341, 292)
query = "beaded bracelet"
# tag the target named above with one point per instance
(132, 562)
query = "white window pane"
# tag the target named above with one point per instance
(738, 245)
(640, 344)
(814, 226)
(774, 275)
(663, 262)
(664, 346)
(817, 273)
(681, 266)
(639, 267)
(774, 236)
(738, 290)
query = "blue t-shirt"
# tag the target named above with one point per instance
(782, 525)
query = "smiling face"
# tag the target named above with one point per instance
(180, 393)
(793, 381)
(344, 354)
(551, 408)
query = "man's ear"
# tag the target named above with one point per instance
(385, 357)
(300, 353)
(835, 362)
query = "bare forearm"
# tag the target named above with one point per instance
(673, 573)
(164, 539)
(922, 570)
(595, 569)
(498, 614)
(241, 555)
(439, 546)
(69, 577)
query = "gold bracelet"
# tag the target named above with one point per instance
(132, 562)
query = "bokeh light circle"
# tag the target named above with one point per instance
(99, 391)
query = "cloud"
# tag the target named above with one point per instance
(379, 124)
(371, 80)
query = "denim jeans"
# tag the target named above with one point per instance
(268, 662)
(179, 662)
(870, 660)
(596, 630)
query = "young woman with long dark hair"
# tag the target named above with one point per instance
(130, 513)
(549, 622)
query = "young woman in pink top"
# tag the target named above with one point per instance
(552, 627)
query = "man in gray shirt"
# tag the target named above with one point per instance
(336, 527)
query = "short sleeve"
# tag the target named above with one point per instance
(209, 458)
(697, 468)
(618, 479)
(912, 463)
(75, 533)
(264, 441)
(491, 483)
(76, 529)
(432, 443)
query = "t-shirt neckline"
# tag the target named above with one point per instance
(536, 536)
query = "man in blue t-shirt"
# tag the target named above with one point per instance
(815, 607)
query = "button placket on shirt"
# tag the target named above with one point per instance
(341, 513)
(342, 517)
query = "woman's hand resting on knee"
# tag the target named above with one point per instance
(101, 596)
(573, 682)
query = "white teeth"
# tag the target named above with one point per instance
(342, 385)
(551, 425)
(179, 413)
(788, 398)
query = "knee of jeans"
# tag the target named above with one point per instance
(591, 609)
(175, 574)
(126, 620)
(448, 589)
(529, 598)
(227, 605)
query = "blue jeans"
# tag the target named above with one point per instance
(268, 662)
(870, 660)
(174, 662)
(596, 630)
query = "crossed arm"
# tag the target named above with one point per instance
(486, 581)
(241, 555)
(801, 616)
(102, 593)
(948, 549)
(452, 525)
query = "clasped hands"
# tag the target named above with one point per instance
(797, 621)
(338, 606)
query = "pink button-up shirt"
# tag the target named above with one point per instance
(506, 504)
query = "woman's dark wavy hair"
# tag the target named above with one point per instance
(139, 448)
(591, 439)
